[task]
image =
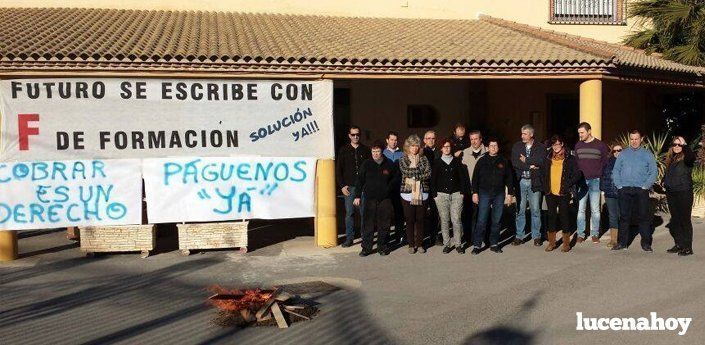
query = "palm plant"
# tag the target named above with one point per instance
(699, 183)
(674, 28)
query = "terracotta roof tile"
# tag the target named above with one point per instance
(46, 36)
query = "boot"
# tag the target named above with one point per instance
(566, 242)
(551, 241)
(613, 238)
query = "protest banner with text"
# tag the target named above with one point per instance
(53, 194)
(50, 119)
(217, 189)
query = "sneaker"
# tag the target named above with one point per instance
(475, 251)
(581, 239)
(595, 239)
(412, 250)
(517, 242)
(346, 244)
(647, 248)
(538, 242)
(383, 252)
(674, 249)
(460, 250)
(685, 252)
(447, 249)
(422, 250)
(496, 249)
(364, 253)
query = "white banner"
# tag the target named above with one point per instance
(54, 194)
(217, 189)
(48, 119)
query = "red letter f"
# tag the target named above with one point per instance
(24, 130)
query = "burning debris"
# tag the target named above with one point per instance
(259, 307)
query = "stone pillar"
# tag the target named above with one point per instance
(325, 223)
(591, 105)
(8, 245)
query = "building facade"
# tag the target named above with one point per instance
(405, 66)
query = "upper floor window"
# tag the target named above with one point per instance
(588, 12)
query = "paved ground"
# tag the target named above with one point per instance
(55, 295)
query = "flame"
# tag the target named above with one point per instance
(251, 299)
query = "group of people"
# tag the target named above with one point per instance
(463, 185)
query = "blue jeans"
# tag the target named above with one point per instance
(591, 191)
(483, 210)
(350, 214)
(534, 200)
(613, 212)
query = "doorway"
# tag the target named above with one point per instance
(563, 117)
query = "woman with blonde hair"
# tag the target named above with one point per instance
(415, 177)
(678, 182)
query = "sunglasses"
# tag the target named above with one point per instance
(678, 145)
(354, 134)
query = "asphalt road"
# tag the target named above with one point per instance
(54, 295)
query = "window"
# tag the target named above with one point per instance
(588, 12)
(421, 116)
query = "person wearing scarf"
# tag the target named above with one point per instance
(415, 177)
(560, 180)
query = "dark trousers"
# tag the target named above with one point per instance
(398, 216)
(470, 210)
(558, 208)
(493, 204)
(681, 206)
(634, 199)
(432, 225)
(378, 217)
(414, 215)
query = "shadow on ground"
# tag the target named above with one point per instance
(510, 331)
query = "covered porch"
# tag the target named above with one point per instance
(491, 74)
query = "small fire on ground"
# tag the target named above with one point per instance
(260, 307)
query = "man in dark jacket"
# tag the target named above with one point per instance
(377, 181)
(431, 219)
(348, 162)
(528, 160)
(491, 177)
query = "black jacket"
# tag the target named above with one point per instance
(377, 181)
(491, 175)
(678, 177)
(570, 176)
(348, 162)
(537, 156)
(450, 178)
(606, 182)
(459, 144)
(431, 155)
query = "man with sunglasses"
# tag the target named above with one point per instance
(634, 174)
(348, 162)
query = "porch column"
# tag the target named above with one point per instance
(8, 245)
(591, 105)
(326, 232)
